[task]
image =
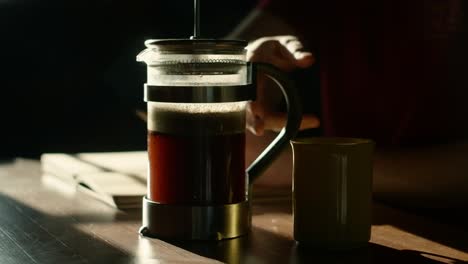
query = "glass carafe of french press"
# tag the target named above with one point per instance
(196, 93)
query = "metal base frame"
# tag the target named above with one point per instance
(177, 222)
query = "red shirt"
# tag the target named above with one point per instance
(392, 70)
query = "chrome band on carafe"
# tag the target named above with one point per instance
(199, 94)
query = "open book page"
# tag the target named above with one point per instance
(65, 166)
(134, 163)
(117, 178)
(116, 189)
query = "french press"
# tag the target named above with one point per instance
(196, 93)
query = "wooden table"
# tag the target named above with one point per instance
(43, 222)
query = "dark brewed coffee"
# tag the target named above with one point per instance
(196, 170)
(196, 158)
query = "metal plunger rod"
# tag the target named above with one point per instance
(196, 19)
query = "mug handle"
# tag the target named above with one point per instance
(294, 114)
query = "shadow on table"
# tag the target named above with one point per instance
(446, 227)
(265, 247)
(29, 236)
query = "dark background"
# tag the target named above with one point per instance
(69, 80)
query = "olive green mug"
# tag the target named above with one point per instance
(332, 189)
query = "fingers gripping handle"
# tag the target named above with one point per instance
(294, 114)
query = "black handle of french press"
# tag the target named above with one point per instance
(294, 114)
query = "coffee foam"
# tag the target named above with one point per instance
(196, 119)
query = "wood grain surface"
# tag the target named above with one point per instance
(46, 222)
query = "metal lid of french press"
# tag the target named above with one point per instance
(196, 46)
(222, 57)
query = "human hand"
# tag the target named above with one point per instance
(286, 53)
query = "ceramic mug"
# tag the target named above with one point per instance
(332, 189)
